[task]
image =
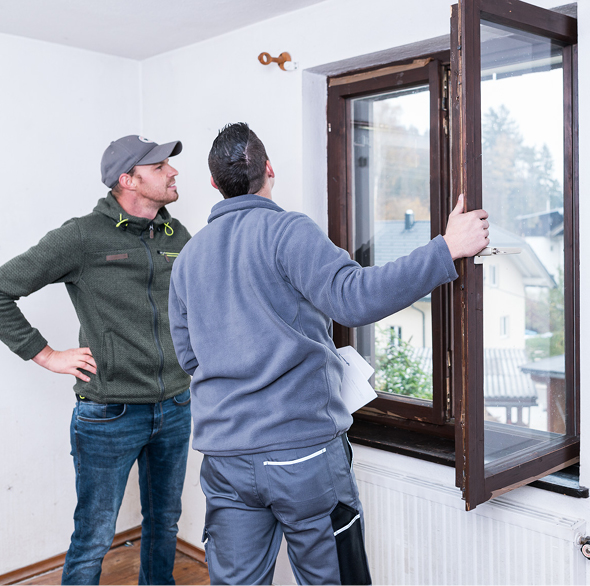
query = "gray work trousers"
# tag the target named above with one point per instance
(308, 494)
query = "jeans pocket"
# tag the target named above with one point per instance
(350, 547)
(301, 489)
(183, 399)
(98, 412)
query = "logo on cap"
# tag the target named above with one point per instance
(143, 139)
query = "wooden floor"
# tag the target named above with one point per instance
(121, 566)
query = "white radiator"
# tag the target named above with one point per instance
(418, 532)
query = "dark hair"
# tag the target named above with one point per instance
(237, 161)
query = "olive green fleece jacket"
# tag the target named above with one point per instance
(116, 269)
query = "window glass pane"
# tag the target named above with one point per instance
(522, 178)
(391, 203)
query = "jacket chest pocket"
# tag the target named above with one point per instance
(114, 270)
(163, 261)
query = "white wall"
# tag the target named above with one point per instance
(60, 109)
(193, 92)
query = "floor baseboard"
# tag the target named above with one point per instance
(196, 553)
(58, 560)
(192, 551)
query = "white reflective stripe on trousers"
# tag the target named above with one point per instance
(267, 463)
(347, 526)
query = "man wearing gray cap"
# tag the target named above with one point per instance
(132, 398)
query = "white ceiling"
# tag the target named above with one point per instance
(136, 29)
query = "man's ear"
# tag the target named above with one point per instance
(269, 170)
(213, 184)
(126, 181)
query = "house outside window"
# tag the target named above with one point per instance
(476, 358)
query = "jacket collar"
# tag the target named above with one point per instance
(242, 202)
(109, 206)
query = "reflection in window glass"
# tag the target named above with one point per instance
(522, 171)
(391, 195)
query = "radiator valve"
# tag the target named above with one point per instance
(585, 543)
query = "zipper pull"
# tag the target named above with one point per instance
(152, 231)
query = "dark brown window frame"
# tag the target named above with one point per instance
(478, 481)
(399, 430)
(424, 70)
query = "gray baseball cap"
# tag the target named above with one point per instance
(123, 154)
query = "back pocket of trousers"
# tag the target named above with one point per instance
(350, 546)
(301, 489)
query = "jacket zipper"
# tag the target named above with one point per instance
(155, 312)
(168, 255)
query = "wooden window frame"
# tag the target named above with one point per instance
(406, 74)
(477, 481)
(399, 425)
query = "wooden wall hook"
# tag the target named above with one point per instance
(266, 59)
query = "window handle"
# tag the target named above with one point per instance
(493, 250)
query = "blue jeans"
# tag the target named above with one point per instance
(106, 441)
(309, 495)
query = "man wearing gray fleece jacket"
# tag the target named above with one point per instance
(252, 298)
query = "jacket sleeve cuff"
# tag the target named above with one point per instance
(446, 257)
(32, 347)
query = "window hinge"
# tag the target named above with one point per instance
(329, 127)
(445, 100)
(449, 397)
(449, 369)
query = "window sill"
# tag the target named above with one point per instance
(566, 482)
(442, 451)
